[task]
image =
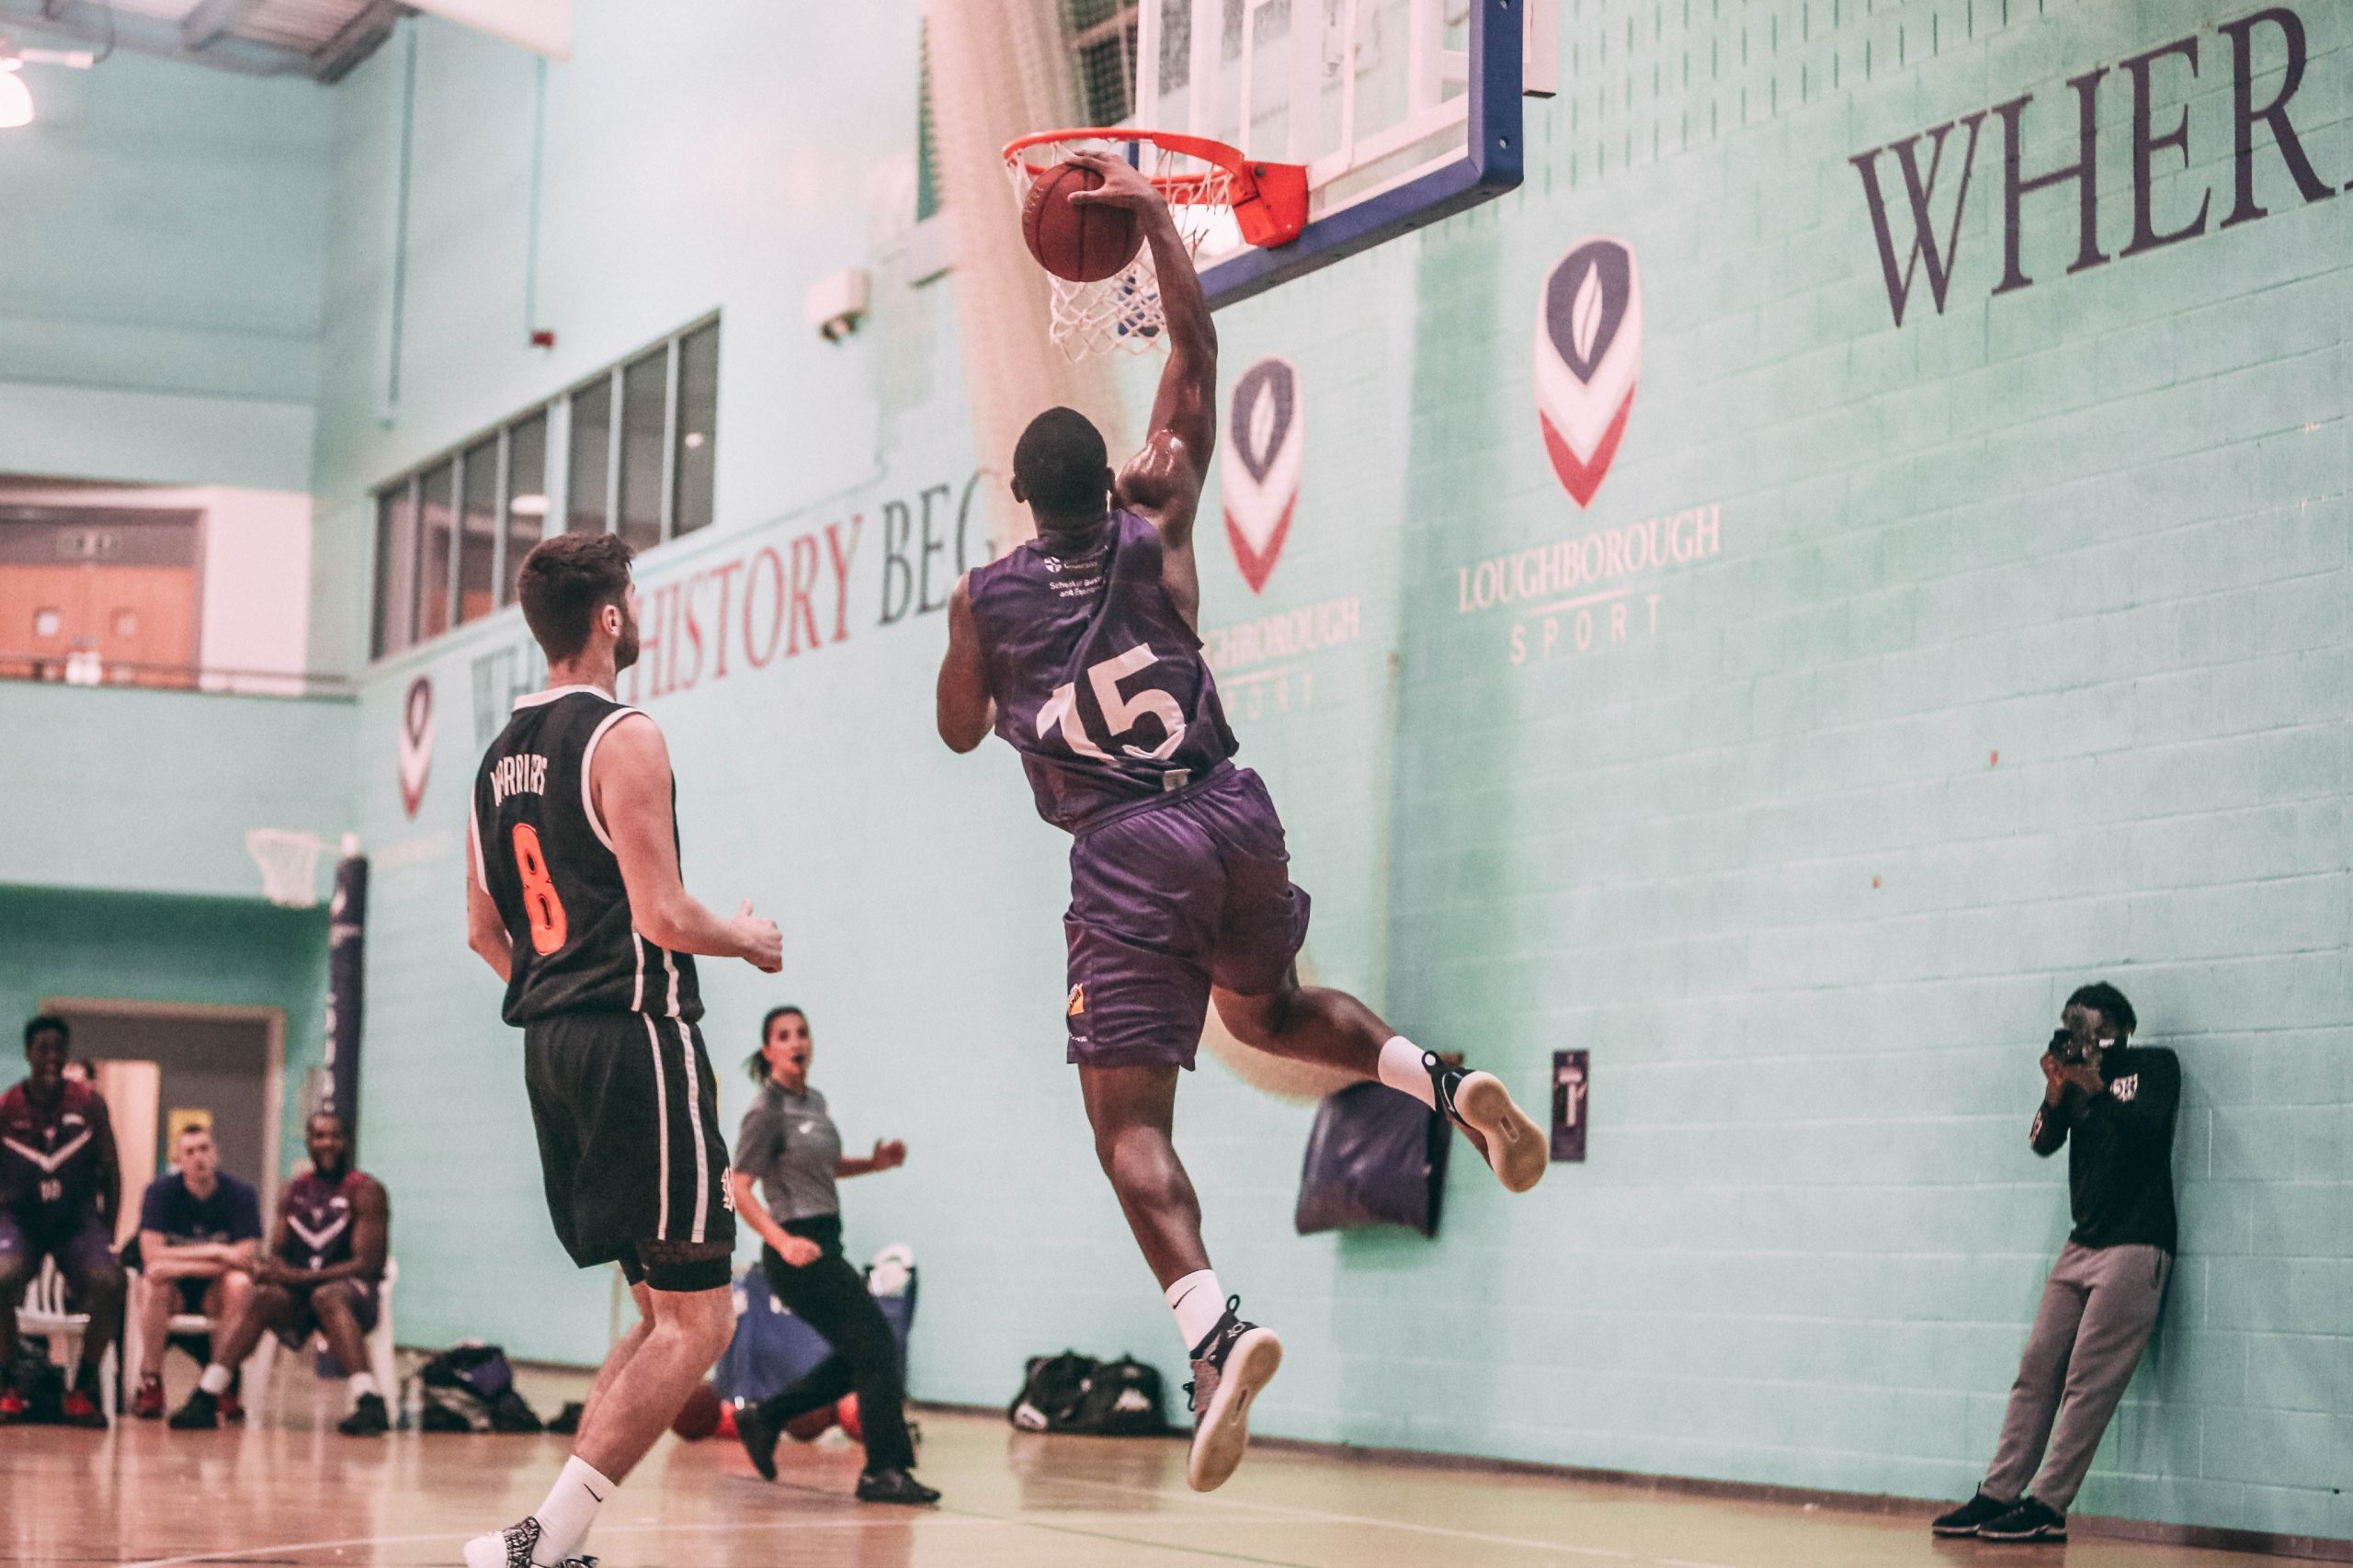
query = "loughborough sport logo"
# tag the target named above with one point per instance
(1588, 356)
(415, 747)
(1267, 433)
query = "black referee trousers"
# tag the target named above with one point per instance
(831, 1297)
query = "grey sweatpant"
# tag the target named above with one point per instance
(2097, 1312)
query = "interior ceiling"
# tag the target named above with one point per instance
(319, 39)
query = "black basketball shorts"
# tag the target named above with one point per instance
(628, 1119)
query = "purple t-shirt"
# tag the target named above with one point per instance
(1099, 681)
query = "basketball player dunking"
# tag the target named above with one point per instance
(573, 896)
(1079, 648)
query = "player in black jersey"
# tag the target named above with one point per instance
(572, 895)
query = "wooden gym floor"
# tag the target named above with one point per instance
(290, 1492)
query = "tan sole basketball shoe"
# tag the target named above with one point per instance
(1236, 1360)
(1514, 1145)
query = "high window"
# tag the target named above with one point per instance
(632, 449)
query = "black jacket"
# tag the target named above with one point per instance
(2119, 1173)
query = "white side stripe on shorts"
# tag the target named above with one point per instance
(637, 989)
(662, 1122)
(694, 1121)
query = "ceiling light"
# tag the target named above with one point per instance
(16, 101)
(694, 440)
(529, 506)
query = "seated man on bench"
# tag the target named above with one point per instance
(198, 1230)
(319, 1275)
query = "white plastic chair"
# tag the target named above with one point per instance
(380, 1365)
(45, 1312)
(134, 1349)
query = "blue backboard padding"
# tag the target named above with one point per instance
(1490, 164)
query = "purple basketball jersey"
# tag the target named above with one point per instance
(1099, 683)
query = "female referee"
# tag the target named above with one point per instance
(789, 1145)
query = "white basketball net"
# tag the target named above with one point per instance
(1123, 312)
(289, 865)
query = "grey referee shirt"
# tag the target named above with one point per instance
(791, 1146)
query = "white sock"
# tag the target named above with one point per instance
(569, 1509)
(362, 1385)
(1401, 1069)
(1198, 1301)
(215, 1381)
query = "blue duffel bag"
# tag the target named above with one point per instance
(772, 1349)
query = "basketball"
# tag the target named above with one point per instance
(847, 1410)
(1083, 244)
(699, 1417)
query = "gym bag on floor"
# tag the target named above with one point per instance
(1122, 1400)
(471, 1388)
(1052, 1388)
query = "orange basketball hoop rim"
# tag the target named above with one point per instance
(1268, 200)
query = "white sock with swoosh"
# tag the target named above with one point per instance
(569, 1509)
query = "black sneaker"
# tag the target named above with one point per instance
(893, 1487)
(369, 1418)
(2030, 1521)
(1967, 1518)
(1229, 1366)
(200, 1413)
(758, 1435)
(1515, 1147)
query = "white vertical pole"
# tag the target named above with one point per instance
(1347, 148)
(1421, 55)
(1209, 24)
(1540, 56)
(1147, 115)
(1249, 67)
(1306, 117)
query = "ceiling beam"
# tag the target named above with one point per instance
(211, 18)
(104, 27)
(357, 40)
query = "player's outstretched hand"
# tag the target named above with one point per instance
(889, 1153)
(1121, 187)
(763, 943)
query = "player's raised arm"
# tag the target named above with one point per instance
(965, 709)
(630, 781)
(1164, 481)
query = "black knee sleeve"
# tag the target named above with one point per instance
(681, 1267)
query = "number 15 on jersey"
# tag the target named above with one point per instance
(1119, 712)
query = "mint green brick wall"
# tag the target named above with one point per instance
(2023, 660)
(165, 325)
(136, 790)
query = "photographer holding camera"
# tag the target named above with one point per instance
(2117, 1103)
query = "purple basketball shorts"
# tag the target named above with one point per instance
(81, 1245)
(1192, 892)
(302, 1313)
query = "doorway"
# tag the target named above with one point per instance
(179, 1060)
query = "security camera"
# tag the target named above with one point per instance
(836, 306)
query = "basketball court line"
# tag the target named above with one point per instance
(1327, 1517)
(255, 1554)
(966, 1518)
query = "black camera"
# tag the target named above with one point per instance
(2066, 1047)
